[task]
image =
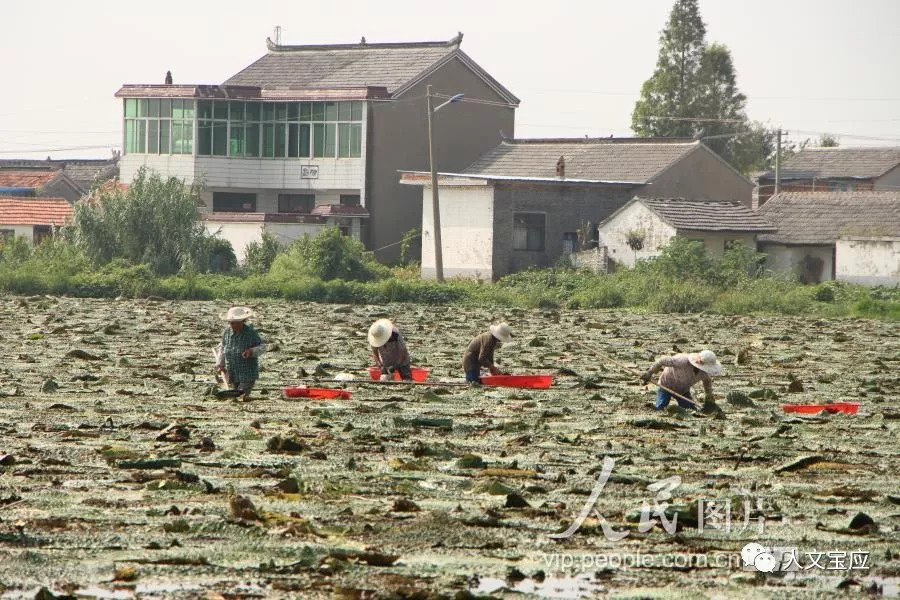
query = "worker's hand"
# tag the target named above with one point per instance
(220, 368)
(494, 370)
(247, 354)
(645, 378)
(384, 377)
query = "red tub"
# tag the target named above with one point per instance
(850, 408)
(519, 381)
(417, 373)
(316, 393)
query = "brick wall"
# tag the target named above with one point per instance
(567, 209)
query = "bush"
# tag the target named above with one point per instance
(681, 297)
(329, 255)
(259, 256)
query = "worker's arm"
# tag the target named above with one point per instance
(257, 347)
(707, 386)
(659, 365)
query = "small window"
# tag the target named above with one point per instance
(570, 242)
(528, 231)
(296, 203)
(349, 199)
(233, 202)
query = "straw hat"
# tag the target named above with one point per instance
(237, 313)
(502, 332)
(706, 361)
(380, 332)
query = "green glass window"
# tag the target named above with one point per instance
(318, 111)
(252, 141)
(355, 140)
(154, 107)
(165, 109)
(268, 111)
(141, 136)
(130, 107)
(142, 107)
(356, 110)
(177, 109)
(292, 112)
(293, 139)
(129, 136)
(253, 111)
(343, 111)
(268, 144)
(304, 140)
(204, 109)
(220, 138)
(153, 136)
(220, 110)
(188, 109)
(305, 111)
(236, 146)
(344, 140)
(204, 137)
(318, 140)
(164, 133)
(331, 111)
(182, 137)
(281, 111)
(237, 111)
(280, 141)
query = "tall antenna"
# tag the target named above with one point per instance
(278, 35)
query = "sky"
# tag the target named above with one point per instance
(809, 66)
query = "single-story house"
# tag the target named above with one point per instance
(32, 218)
(835, 170)
(651, 223)
(850, 236)
(47, 183)
(82, 173)
(528, 202)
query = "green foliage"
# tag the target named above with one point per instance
(221, 255)
(635, 239)
(329, 255)
(155, 222)
(411, 246)
(682, 297)
(259, 256)
(829, 141)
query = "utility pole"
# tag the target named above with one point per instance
(435, 206)
(778, 162)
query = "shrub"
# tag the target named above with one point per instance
(681, 297)
(259, 256)
(329, 255)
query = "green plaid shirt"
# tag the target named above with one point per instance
(240, 369)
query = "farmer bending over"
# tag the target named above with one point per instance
(238, 352)
(681, 372)
(389, 350)
(480, 352)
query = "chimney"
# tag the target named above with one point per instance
(561, 168)
(168, 77)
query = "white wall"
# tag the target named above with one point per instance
(169, 165)
(288, 233)
(889, 182)
(789, 260)
(277, 173)
(467, 232)
(239, 234)
(25, 231)
(636, 216)
(868, 261)
(714, 241)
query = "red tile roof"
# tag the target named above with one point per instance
(26, 178)
(34, 211)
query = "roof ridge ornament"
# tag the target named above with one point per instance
(457, 41)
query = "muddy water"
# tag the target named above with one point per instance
(122, 477)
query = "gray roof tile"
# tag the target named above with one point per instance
(696, 215)
(603, 159)
(822, 217)
(81, 171)
(821, 163)
(344, 65)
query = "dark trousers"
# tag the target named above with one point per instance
(473, 375)
(404, 370)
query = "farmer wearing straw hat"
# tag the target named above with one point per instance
(680, 373)
(389, 350)
(238, 352)
(480, 352)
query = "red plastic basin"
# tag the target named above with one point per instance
(519, 381)
(316, 393)
(851, 408)
(417, 373)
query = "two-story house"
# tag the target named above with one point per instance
(309, 136)
(835, 170)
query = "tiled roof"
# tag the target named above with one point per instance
(695, 215)
(634, 160)
(822, 217)
(34, 211)
(80, 170)
(857, 163)
(258, 217)
(342, 65)
(26, 178)
(340, 210)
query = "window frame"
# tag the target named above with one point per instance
(543, 230)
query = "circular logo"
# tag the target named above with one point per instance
(750, 552)
(765, 562)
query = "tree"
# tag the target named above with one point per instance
(693, 93)
(154, 222)
(829, 141)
